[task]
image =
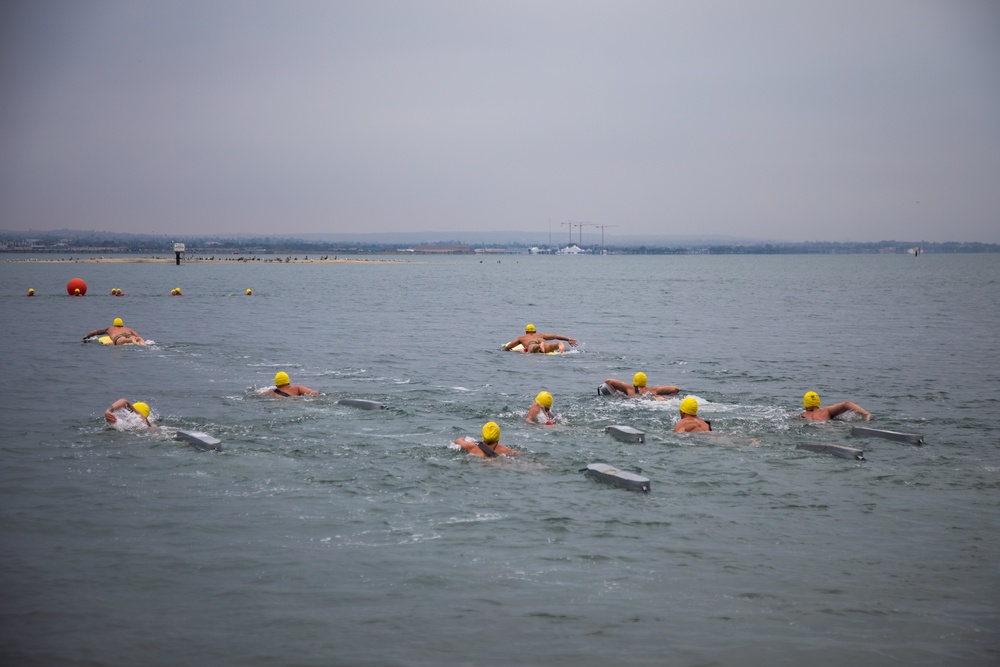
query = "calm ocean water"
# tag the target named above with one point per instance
(327, 535)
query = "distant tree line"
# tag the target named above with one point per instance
(70, 241)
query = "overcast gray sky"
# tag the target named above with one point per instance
(836, 120)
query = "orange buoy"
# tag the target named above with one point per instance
(76, 287)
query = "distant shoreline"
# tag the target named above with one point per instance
(201, 260)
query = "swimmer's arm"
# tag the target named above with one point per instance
(569, 340)
(617, 385)
(514, 343)
(532, 413)
(95, 332)
(664, 390)
(109, 414)
(841, 408)
(307, 390)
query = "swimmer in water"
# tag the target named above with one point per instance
(119, 334)
(283, 387)
(532, 341)
(639, 387)
(690, 422)
(489, 447)
(540, 411)
(31, 291)
(140, 409)
(816, 413)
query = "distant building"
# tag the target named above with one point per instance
(444, 249)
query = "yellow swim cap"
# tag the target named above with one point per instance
(689, 406)
(118, 322)
(142, 409)
(529, 329)
(31, 290)
(544, 399)
(248, 291)
(491, 432)
(281, 379)
(639, 379)
(811, 399)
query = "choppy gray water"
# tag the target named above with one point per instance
(326, 535)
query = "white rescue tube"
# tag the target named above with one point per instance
(611, 475)
(865, 432)
(362, 403)
(202, 441)
(836, 450)
(625, 433)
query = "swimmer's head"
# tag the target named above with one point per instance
(544, 399)
(249, 292)
(118, 322)
(811, 399)
(142, 409)
(491, 432)
(281, 379)
(639, 379)
(31, 290)
(529, 329)
(689, 406)
(76, 291)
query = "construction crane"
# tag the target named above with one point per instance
(570, 223)
(602, 235)
(581, 225)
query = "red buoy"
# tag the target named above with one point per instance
(74, 285)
